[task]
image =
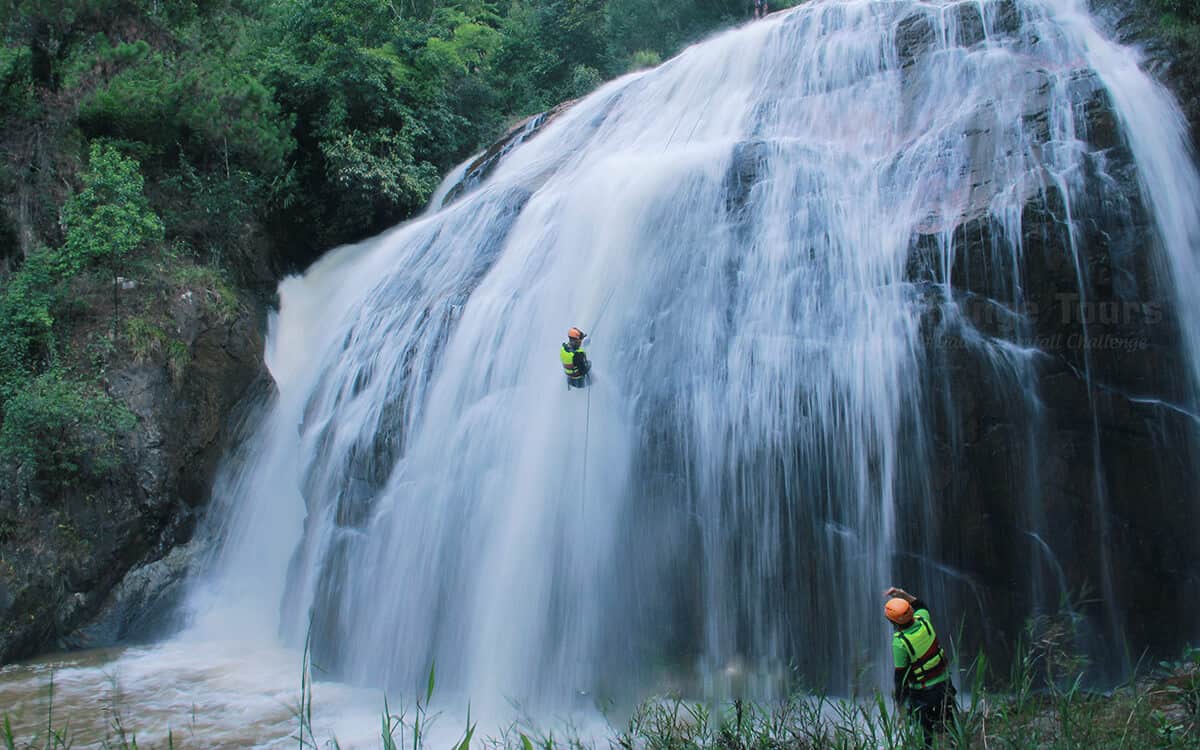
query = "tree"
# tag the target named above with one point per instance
(110, 217)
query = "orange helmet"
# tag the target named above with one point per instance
(898, 611)
(575, 334)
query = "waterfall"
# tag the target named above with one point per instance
(808, 255)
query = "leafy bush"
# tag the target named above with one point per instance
(26, 323)
(147, 340)
(55, 428)
(644, 58)
(14, 79)
(211, 111)
(137, 103)
(378, 166)
(584, 80)
(233, 117)
(212, 211)
(1184, 10)
(61, 430)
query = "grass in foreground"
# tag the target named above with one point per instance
(1160, 709)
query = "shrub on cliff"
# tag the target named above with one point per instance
(26, 323)
(56, 428)
(59, 430)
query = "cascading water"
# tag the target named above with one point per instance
(766, 238)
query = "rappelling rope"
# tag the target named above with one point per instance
(587, 422)
(603, 309)
(699, 117)
(587, 425)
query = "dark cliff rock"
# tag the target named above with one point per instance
(1057, 415)
(94, 563)
(1065, 438)
(1061, 458)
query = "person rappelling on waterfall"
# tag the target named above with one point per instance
(575, 360)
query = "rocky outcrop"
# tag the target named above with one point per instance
(95, 563)
(144, 604)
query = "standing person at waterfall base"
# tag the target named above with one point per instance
(922, 676)
(574, 359)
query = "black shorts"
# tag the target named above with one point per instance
(933, 706)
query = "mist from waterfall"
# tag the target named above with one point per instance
(719, 511)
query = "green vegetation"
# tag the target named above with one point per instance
(1181, 14)
(322, 122)
(109, 218)
(1179, 29)
(59, 429)
(155, 154)
(148, 342)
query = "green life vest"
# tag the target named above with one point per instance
(568, 361)
(926, 662)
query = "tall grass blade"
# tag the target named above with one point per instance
(385, 732)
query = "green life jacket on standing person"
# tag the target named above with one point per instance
(916, 650)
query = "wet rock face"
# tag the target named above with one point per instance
(1064, 444)
(1069, 468)
(962, 24)
(145, 604)
(1057, 403)
(87, 565)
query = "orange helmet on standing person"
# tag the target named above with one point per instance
(898, 611)
(574, 334)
